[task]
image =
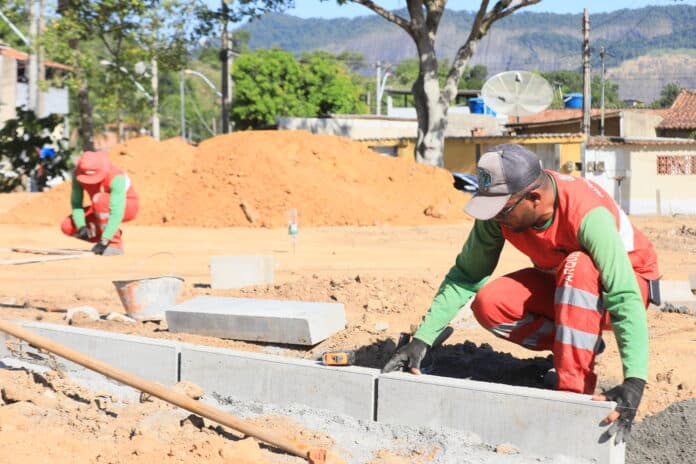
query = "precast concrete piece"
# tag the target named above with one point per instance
(546, 423)
(274, 321)
(676, 290)
(240, 271)
(692, 280)
(280, 380)
(155, 360)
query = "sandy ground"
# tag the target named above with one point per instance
(385, 276)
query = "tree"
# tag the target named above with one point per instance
(272, 83)
(21, 141)
(571, 82)
(667, 96)
(432, 99)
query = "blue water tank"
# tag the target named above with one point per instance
(573, 100)
(477, 106)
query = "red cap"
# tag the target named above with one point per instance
(92, 167)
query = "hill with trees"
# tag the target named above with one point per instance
(527, 40)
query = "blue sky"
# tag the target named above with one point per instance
(329, 9)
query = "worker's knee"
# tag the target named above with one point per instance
(68, 226)
(487, 306)
(100, 202)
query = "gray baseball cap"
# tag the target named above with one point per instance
(502, 172)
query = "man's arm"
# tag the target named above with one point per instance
(76, 198)
(117, 206)
(472, 268)
(598, 234)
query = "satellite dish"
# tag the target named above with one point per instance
(517, 93)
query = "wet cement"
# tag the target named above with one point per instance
(668, 437)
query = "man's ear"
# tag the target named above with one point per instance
(534, 195)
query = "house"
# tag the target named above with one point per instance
(14, 86)
(680, 120)
(653, 175)
(628, 122)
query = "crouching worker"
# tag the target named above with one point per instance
(113, 201)
(591, 270)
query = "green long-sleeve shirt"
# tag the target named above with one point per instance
(599, 237)
(117, 205)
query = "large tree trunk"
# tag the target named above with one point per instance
(432, 120)
(86, 129)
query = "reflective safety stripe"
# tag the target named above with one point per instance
(626, 231)
(576, 338)
(503, 330)
(579, 298)
(101, 215)
(545, 329)
(128, 181)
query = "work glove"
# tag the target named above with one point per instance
(83, 233)
(627, 397)
(410, 355)
(100, 247)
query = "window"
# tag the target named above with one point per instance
(676, 165)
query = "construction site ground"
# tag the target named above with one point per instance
(385, 275)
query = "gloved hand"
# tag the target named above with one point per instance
(83, 233)
(627, 397)
(410, 355)
(99, 248)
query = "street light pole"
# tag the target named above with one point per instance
(181, 101)
(224, 56)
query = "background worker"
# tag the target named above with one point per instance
(113, 201)
(591, 271)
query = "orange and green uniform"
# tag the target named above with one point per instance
(590, 272)
(113, 201)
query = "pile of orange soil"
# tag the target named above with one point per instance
(254, 178)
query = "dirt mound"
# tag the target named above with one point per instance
(254, 178)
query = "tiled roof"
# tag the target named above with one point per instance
(569, 114)
(612, 141)
(682, 114)
(21, 56)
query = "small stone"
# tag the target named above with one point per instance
(87, 312)
(381, 326)
(506, 449)
(119, 318)
(189, 389)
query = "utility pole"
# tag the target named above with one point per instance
(378, 80)
(586, 94)
(33, 96)
(602, 53)
(154, 81)
(224, 57)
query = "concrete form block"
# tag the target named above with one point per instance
(156, 360)
(240, 271)
(275, 321)
(280, 380)
(692, 280)
(542, 422)
(676, 290)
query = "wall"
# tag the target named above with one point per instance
(640, 124)
(631, 178)
(8, 79)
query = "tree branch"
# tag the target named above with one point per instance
(386, 14)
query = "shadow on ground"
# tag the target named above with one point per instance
(466, 361)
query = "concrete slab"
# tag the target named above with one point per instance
(676, 290)
(275, 321)
(280, 380)
(542, 422)
(240, 271)
(156, 360)
(692, 280)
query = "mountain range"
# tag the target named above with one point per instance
(646, 48)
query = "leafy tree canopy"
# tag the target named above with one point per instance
(667, 95)
(272, 83)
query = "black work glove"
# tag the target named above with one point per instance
(99, 248)
(627, 397)
(410, 355)
(83, 233)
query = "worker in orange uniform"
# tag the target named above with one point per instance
(591, 270)
(113, 201)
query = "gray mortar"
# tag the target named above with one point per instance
(668, 437)
(357, 441)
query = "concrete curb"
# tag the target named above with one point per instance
(541, 422)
